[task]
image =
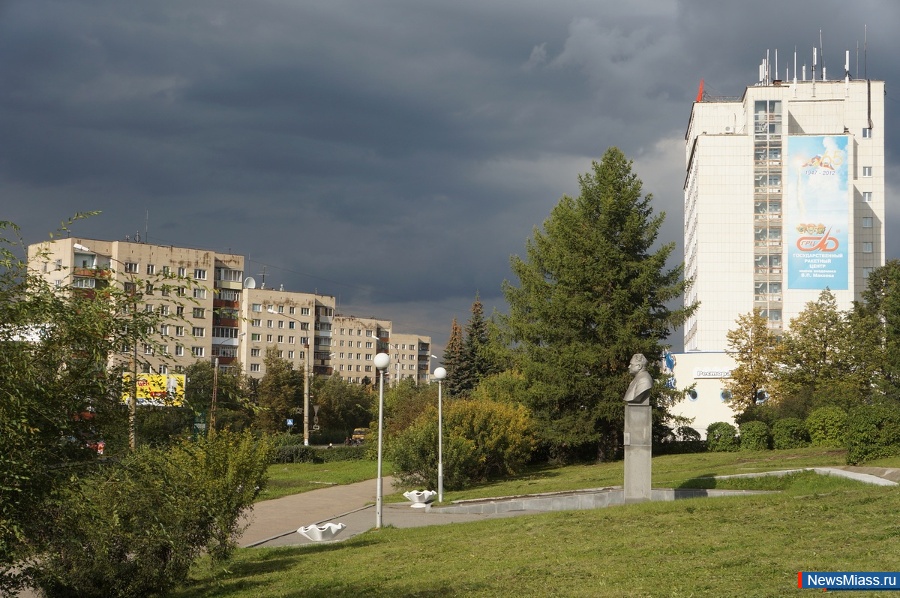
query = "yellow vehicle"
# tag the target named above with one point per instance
(359, 434)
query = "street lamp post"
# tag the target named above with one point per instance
(439, 375)
(382, 360)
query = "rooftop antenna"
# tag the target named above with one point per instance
(865, 51)
(263, 283)
(822, 52)
(147, 226)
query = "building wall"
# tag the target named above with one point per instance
(66, 261)
(707, 372)
(410, 357)
(295, 325)
(357, 341)
(739, 234)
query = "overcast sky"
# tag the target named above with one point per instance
(393, 154)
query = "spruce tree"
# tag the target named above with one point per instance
(453, 361)
(593, 290)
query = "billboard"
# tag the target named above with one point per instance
(817, 212)
(155, 389)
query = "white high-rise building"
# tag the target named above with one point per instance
(784, 197)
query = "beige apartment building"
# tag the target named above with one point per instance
(356, 341)
(410, 357)
(223, 317)
(92, 263)
(296, 325)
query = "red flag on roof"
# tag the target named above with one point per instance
(700, 92)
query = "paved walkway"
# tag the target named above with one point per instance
(275, 522)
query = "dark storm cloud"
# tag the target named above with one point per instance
(391, 153)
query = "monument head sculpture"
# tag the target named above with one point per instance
(638, 392)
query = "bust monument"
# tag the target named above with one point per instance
(638, 392)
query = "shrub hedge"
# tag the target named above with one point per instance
(827, 426)
(873, 432)
(789, 433)
(721, 437)
(754, 436)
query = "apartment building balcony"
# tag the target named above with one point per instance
(225, 321)
(234, 285)
(103, 273)
(220, 303)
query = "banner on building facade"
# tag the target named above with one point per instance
(155, 389)
(817, 212)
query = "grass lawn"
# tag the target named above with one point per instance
(736, 546)
(293, 478)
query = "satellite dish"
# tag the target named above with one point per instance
(249, 283)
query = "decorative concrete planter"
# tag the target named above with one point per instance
(320, 533)
(420, 498)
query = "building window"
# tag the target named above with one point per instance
(867, 271)
(280, 338)
(255, 336)
(291, 310)
(254, 367)
(163, 369)
(179, 331)
(164, 329)
(867, 133)
(281, 354)
(181, 271)
(269, 324)
(163, 310)
(290, 340)
(867, 247)
(199, 293)
(151, 269)
(199, 312)
(291, 324)
(290, 354)
(181, 291)
(197, 351)
(281, 323)
(867, 196)
(256, 322)
(304, 311)
(199, 274)
(867, 171)
(867, 222)
(268, 338)
(254, 352)
(131, 267)
(281, 309)
(130, 288)
(148, 308)
(256, 307)
(148, 349)
(179, 311)
(198, 331)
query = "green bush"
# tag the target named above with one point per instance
(721, 437)
(754, 436)
(296, 453)
(827, 426)
(873, 432)
(789, 433)
(135, 527)
(482, 439)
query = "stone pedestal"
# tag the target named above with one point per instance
(638, 452)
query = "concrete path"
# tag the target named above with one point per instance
(275, 522)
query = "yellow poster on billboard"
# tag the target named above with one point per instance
(155, 389)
